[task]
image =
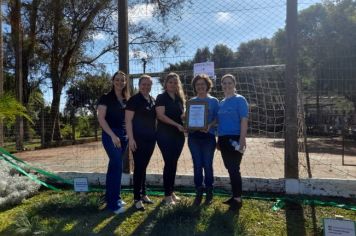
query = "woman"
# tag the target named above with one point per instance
(232, 131)
(202, 143)
(141, 130)
(111, 116)
(170, 131)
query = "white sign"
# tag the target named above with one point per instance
(336, 227)
(204, 68)
(81, 184)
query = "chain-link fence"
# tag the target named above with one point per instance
(245, 38)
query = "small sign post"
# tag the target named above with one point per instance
(81, 184)
(204, 68)
(339, 227)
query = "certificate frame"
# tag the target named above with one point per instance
(194, 110)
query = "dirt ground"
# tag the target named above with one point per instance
(263, 158)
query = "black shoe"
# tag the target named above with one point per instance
(209, 196)
(198, 196)
(235, 205)
(229, 201)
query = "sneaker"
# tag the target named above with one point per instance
(175, 197)
(229, 201)
(139, 205)
(169, 200)
(147, 200)
(235, 205)
(121, 203)
(198, 196)
(209, 196)
(120, 210)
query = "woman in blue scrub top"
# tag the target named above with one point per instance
(202, 143)
(232, 131)
(111, 117)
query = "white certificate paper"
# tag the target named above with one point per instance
(196, 117)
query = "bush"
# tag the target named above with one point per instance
(14, 187)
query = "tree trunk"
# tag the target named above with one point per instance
(54, 114)
(1, 77)
(96, 125)
(15, 21)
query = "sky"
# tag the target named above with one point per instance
(200, 24)
(207, 23)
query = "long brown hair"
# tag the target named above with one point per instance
(180, 92)
(125, 91)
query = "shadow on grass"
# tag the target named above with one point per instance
(67, 215)
(295, 219)
(225, 223)
(173, 220)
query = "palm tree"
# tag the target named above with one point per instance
(10, 108)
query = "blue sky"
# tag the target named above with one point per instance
(203, 23)
(208, 23)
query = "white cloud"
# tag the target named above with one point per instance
(223, 17)
(138, 54)
(99, 36)
(141, 12)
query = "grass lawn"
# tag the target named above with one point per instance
(69, 213)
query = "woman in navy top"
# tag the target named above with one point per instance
(202, 143)
(141, 131)
(111, 117)
(232, 131)
(170, 131)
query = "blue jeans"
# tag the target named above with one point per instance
(202, 150)
(114, 173)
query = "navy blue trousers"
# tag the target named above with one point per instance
(114, 173)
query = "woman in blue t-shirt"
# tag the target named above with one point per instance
(202, 143)
(232, 131)
(111, 117)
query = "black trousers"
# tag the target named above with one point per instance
(142, 157)
(232, 160)
(171, 146)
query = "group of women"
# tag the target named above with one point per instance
(140, 121)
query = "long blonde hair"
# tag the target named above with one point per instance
(180, 92)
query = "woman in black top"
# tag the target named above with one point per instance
(141, 130)
(111, 117)
(170, 131)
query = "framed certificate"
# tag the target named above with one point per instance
(197, 115)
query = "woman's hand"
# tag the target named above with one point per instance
(242, 143)
(116, 141)
(181, 128)
(132, 145)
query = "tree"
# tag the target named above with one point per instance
(85, 94)
(255, 53)
(222, 56)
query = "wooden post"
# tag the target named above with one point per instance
(291, 138)
(124, 59)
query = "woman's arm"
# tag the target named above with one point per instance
(128, 120)
(105, 126)
(243, 133)
(162, 117)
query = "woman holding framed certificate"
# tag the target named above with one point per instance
(232, 131)
(170, 131)
(201, 140)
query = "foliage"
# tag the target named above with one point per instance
(10, 108)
